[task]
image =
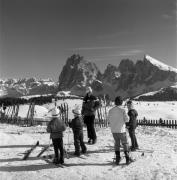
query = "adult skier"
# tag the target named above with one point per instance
(89, 106)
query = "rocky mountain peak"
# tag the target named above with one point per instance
(127, 79)
(75, 59)
(78, 72)
(159, 64)
(126, 66)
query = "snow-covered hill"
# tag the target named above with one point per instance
(164, 94)
(159, 64)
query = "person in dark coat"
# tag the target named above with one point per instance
(90, 104)
(131, 125)
(56, 127)
(77, 126)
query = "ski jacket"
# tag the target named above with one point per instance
(117, 118)
(76, 124)
(56, 127)
(132, 113)
(90, 105)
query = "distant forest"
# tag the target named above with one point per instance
(8, 101)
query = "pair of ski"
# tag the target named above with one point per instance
(28, 152)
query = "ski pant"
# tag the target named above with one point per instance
(79, 141)
(121, 138)
(89, 121)
(58, 145)
(132, 135)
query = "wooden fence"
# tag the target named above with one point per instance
(160, 122)
(101, 120)
(11, 116)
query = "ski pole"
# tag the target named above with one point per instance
(66, 150)
(48, 148)
(68, 140)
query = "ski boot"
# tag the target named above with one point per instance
(118, 158)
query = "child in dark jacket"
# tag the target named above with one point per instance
(131, 125)
(77, 126)
(56, 127)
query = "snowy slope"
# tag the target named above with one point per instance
(159, 64)
(161, 91)
(159, 161)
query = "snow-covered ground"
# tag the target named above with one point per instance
(156, 159)
(156, 110)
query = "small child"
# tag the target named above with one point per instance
(77, 126)
(56, 127)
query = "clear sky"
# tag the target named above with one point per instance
(37, 36)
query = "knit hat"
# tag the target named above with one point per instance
(77, 110)
(55, 111)
(89, 89)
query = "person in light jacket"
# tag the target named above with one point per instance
(117, 118)
(56, 127)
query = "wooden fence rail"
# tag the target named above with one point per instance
(101, 120)
(160, 122)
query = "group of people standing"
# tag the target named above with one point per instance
(117, 118)
(119, 122)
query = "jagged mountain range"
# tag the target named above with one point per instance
(128, 79)
(27, 86)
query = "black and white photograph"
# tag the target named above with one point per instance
(88, 89)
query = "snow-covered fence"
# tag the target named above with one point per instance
(160, 122)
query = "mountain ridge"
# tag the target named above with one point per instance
(127, 79)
